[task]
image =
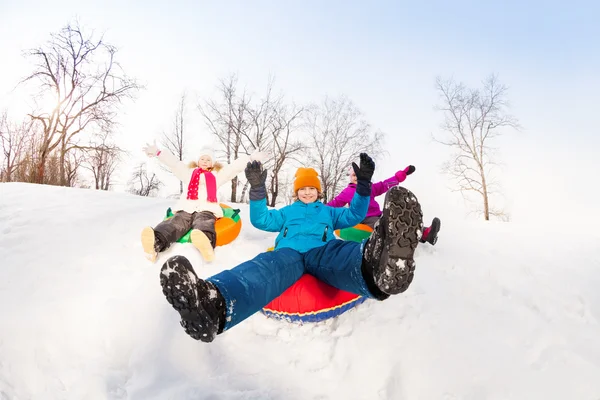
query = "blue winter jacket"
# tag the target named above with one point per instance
(306, 226)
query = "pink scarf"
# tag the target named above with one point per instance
(211, 185)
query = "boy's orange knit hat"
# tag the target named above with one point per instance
(306, 177)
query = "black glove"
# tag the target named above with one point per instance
(411, 169)
(257, 177)
(364, 174)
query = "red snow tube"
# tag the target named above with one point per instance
(310, 300)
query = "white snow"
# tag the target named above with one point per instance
(496, 311)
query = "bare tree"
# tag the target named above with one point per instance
(13, 139)
(266, 124)
(102, 160)
(339, 133)
(275, 135)
(229, 120)
(25, 170)
(287, 181)
(472, 119)
(262, 117)
(261, 128)
(174, 141)
(143, 185)
(85, 84)
(70, 166)
(285, 146)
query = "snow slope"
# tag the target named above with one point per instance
(496, 311)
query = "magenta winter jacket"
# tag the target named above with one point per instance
(377, 189)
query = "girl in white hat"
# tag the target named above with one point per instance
(198, 207)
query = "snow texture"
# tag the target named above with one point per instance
(496, 311)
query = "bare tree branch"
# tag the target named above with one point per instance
(284, 146)
(102, 160)
(473, 117)
(80, 76)
(228, 120)
(143, 185)
(174, 141)
(338, 134)
(13, 141)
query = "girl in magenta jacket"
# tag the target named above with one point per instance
(374, 211)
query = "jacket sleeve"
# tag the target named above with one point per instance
(264, 219)
(229, 171)
(176, 166)
(343, 198)
(379, 188)
(347, 217)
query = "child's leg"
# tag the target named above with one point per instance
(169, 231)
(199, 303)
(385, 264)
(205, 221)
(430, 234)
(338, 263)
(208, 307)
(253, 284)
(388, 261)
(203, 235)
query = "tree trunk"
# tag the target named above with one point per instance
(244, 191)
(234, 183)
(40, 170)
(486, 208)
(274, 191)
(7, 175)
(63, 179)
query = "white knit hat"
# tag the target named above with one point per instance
(207, 151)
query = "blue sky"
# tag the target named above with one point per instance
(384, 55)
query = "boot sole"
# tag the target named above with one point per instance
(403, 214)
(202, 243)
(148, 243)
(179, 285)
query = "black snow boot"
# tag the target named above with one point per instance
(430, 234)
(388, 266)
(199, 302)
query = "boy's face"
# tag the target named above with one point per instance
(308, 194)
(205, 162)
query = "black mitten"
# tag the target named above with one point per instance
(364, 173)
(257, 177)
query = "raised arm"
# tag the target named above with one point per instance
(260, 216)
(347, 217)
(345, 197)
(229, 171)
(176, 166)
(264, 219)
(380, 188)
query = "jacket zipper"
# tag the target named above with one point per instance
(325, 234)
(285, 232)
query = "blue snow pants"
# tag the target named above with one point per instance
(253, 284)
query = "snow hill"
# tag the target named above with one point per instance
(496, 311)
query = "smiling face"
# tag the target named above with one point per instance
(352, 176)
(205, 162)
(308, 194)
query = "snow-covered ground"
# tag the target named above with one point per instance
(496, 311)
